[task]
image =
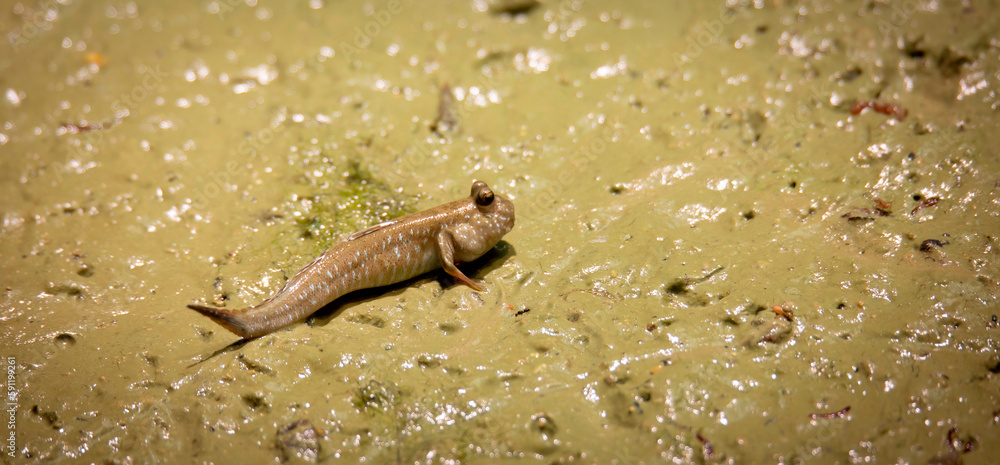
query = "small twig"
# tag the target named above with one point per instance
(885, 108)
(924, 204)
(837, 414)
(709, 450)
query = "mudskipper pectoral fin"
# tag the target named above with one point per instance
(446, 254)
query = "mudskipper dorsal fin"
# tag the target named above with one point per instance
(367, 231)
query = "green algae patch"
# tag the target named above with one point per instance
(375, 397)
(360, 201)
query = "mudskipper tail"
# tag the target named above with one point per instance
(228, 319)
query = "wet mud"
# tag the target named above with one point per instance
(747, 232)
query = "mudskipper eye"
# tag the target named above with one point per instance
(485, 197)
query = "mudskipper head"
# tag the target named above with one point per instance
(491, 219)
(497, 209)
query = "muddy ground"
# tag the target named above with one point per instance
(747, 232)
